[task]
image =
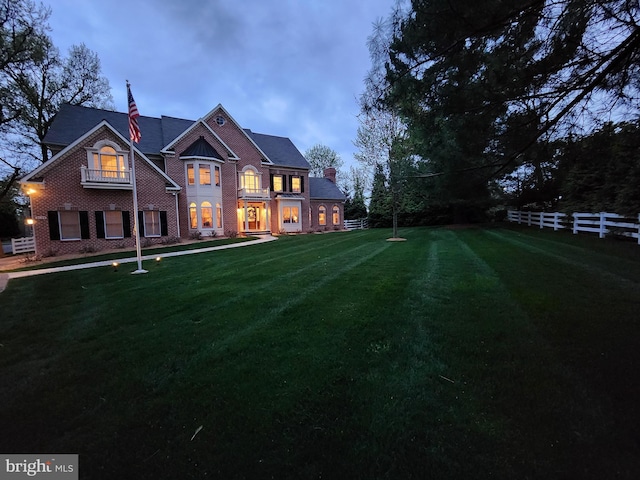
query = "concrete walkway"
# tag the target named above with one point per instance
(6, 276)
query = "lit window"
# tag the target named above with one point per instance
(191, 175)
(109, 163)
(250, 181)
(218, 215)
(113, 224)
(336, 215)
(295, 184)
(217, 176)
(193, 216)
(286, 215)
(151, 223)
(322, 215)
(205, 174)
(69, 225)
(207, 215)
(277, 183)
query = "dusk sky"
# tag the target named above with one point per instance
(292, 68)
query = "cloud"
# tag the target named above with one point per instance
(292, 68)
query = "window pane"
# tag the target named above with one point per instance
(69, 225)
(322, 216)
(113, 224)
(286, 215)
(207, 215)
(191, 176)
(205, 174)
(193, 216)
(295, 184)
(277, 183)
(336, 215)
(250, 180)
(151, 223)
(217, 174)
(218, 215)
(294, 214)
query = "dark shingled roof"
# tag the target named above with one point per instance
(280, 150)
(324, 189)
(201, 148)
(73, 121)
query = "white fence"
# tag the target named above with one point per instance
(356, 224)
(23, 245)
(602, 223)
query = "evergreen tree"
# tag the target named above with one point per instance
(380, 211)
(481, 83)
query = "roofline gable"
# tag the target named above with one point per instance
(81, 139)
(220, 107)
(166, 149)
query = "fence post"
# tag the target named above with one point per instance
(575, 223)
(541, 220)
(519, 217)
(638, 229)
(556, 216)
(529, 219)
(603, 227)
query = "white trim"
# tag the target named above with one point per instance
(219, 107)
(81, 139)
(166, 150)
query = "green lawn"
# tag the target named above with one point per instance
(459, 354)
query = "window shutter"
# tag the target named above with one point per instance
(100, 224)
(84, 225)
(164, 228)
(301, 183)
(141, 222)
(291, 183)
(54, 227)
(126, 224)
(271, 181)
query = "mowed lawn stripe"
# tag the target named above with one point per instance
(272, 310)
(618, 269)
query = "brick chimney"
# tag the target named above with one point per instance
(330, 173)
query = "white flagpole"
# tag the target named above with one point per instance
(135, 200)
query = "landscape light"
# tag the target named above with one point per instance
(115, 266)
(158, 259)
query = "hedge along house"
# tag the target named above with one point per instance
(209, 176)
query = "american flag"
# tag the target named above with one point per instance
(134, 130)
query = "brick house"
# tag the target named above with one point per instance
(209, 176)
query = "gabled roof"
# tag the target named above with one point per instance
(73, 121)
(280, 150)
(201, 149)
(31, 176)
(324, 189)
(161, 134)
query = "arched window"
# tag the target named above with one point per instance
(250, 180)
(108, 161)
(207, 215)
(322, 215)
(336, 215)
(193, 216)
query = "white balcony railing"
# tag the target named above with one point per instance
(105, 178)
(253, 193)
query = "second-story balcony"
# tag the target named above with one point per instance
(254, 193)
(106, 179)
